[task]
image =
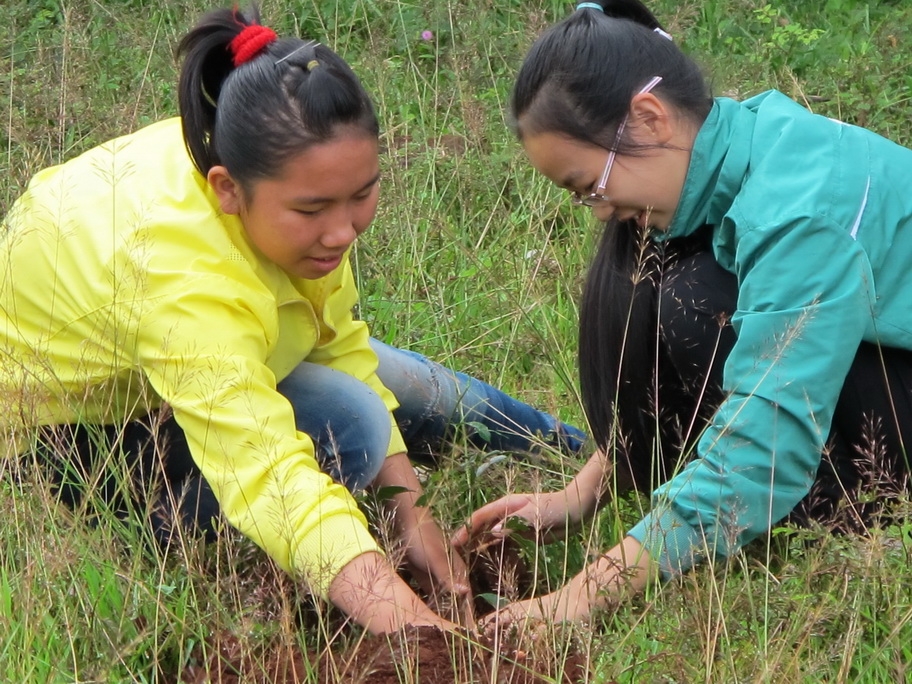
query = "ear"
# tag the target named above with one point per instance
(653, 118)
(226, 189)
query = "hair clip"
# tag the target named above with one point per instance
(309, 43)
(590, 5)
(664, 34)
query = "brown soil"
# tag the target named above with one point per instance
(414, 655)
(425, 655)
(499, 570)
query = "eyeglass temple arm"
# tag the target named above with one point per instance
(603, 181)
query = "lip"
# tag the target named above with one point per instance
(325, 264)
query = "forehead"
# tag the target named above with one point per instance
(340, 151)
(567, 162)
(335, 168)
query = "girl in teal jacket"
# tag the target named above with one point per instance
(748, 308)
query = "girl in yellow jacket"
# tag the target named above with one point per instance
(181, 298)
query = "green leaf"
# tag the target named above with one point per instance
(388, 492)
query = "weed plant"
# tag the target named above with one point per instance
(477, 262)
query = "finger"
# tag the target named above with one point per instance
(468, 611)
(512, 616)
(496, 622)
(461, 600)
(486, 517)
(461, 537)
(489, 519)
(437, 573)
(446, 599)
(459, 573)
(449, 573)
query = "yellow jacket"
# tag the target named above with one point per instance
(124, 286)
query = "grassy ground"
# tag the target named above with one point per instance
(472, 260)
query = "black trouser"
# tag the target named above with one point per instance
(148, 467)
(866, 452)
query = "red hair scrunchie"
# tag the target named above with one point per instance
(250, 42)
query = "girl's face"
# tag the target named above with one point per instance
(306, 216)
(645, 186)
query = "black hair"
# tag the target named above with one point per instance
(254, 117)
(577, 81)
(578, 78)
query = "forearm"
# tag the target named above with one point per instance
(627, 567)
(623, 570)
(593, 484)
(397, 472)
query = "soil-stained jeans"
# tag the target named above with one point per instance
(347, 421)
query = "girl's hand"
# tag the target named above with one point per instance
(427, 553)
(625, 568)
(549, 516)
(441, 574)
(431, 563)
(369, 590)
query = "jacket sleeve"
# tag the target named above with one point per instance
(803, 307)
(348, 350)
(203, 351)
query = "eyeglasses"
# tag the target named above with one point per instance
(597, 198)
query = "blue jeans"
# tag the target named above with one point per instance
(434, 400)
(347, 421)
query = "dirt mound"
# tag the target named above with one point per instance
(416, 654)
(498, 573)
(430, 656)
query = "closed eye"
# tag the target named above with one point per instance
(368, 189)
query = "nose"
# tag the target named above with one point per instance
(341, 234)
(603, 211)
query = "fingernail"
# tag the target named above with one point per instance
(497, 528)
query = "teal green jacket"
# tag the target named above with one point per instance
(814, 217)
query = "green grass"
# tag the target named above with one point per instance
(477, 262)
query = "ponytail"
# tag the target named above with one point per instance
(250, 101)
(618, 319)
(206, 64)
(625, 9)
